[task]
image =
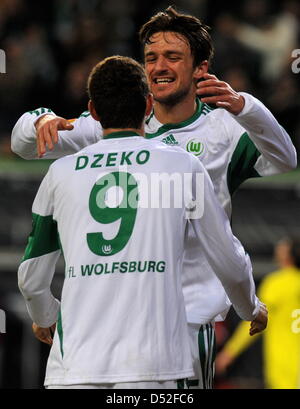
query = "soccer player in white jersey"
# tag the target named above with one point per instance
(237, 140)
(121, 322)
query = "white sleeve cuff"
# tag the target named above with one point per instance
(250, 103)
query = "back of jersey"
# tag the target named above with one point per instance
(119, 207)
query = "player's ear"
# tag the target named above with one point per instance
(92, 110)
(149, 104)
(200, 70)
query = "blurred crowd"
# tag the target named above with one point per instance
(51, 46)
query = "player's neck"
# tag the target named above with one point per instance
(139, 131)
(180, 112)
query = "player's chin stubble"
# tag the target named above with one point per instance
(174, 98)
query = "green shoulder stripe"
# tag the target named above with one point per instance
(85, 114)
(40, 111)
(43, 238)
(208, 108)
(242, 163)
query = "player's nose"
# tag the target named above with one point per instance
(160, 65)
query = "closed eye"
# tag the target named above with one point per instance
(152, 59)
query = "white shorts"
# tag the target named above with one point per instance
(203, 347)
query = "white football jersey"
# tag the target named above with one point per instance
(230, 157)
(232, 149)
(122, 314)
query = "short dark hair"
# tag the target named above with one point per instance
(118, 89)
(190, 27)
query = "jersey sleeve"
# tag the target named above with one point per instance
(86, 131)
(223, 250)
(38, 264)
(260, 142)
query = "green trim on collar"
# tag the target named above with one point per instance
(169, 127)
(150, 117)
(120, 134)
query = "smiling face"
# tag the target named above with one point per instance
(170, 68)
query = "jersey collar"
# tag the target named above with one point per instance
(120, 134)
(169, 127)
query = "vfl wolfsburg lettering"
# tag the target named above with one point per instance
(195, 147)
(170, 140)
(125, 212)
(123, 267)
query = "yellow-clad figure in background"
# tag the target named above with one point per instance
(280, 291)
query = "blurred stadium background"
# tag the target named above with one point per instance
(50, 48)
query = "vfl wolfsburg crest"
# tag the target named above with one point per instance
(195, 147)
(106, 249)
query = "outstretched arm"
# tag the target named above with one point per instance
(41, 134)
